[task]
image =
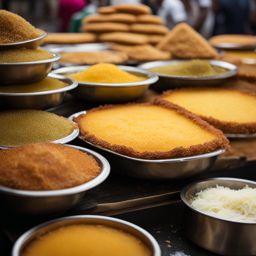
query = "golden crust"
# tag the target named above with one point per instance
(106, 10)
(116, 17)
(235, 39)
(69, 38)
(149, 29)
(150, 19)
(133, 8)
(46, 166)
(220, 141)
(226, 127)
(105, 27)
(247, 72)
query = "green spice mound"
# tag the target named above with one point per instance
(20, 127)
(14, 28)
(196, 68)
(24, 55)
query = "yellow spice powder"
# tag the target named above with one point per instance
(20, 127)
(106, 73)
(47, 84)
(24, 55)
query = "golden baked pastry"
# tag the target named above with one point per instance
(133, 8)
(106, 10)
(124, 38)
(105, 27)
(149, 29)
(69, 38)
(155, 39)
(90, 58)
(247, 72)
(150, 19)
(116, 17)
(150, 131)
(231, 110)
(142, 52)
(245, 40)
(184, 42)
(46, 167)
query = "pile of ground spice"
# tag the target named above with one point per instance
(14, 28)
(106, 73)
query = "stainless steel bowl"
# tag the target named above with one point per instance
(218, 235)
(26, 72)
(166, 82)
(234, 46)
(32, 43)
(240, 136)
(172, 168)
(106, 93)
(44, 228)
(37, 100)
(52, 201)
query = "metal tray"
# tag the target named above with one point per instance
(156, 169)
(166, 82)
(234, 46)
(37, 100)
(240, 136)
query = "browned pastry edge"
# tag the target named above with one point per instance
(226, 127)
(220, 142)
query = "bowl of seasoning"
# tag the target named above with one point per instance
(19, 127)
(108, 83)
(17, 32)
(180, 73)
(47, 178)
(87, 235)
(46, 93)
(22, 66)
(219, 211)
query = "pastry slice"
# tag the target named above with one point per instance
(69, 38)
(247, 72)
(150, 131)
(133, 8)
(231, 110)
(184, 42)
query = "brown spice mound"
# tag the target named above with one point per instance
(14, 28)
(46, 167)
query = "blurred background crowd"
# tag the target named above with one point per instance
(209, 17)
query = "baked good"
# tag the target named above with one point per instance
(247, 72)
(106, 10)
(231, 110)
(150, 131)
(105, 27)
(90, 58)
(150, 19)
(184, 42)
(133, 8)
(149, 29)
(116, 17)
(143, 52)
(155, 39)
(69, 38)
(46, 167)
(123, 38)
(244, 40)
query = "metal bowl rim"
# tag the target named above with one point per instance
(240, 135)
(55, 57)
(28, 234)
(63, 140)
(234, 46)
(168, 160)
(231, 70)
(105, 171)
(42, 36)
(151, 77)
(191, 185)
(72, 84)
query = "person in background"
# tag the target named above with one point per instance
(172, 12)
(66, 10)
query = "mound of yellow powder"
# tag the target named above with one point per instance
(47, 84)
(106, 73)
(24, 55)
(14, 28)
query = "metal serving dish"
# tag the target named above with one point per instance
(44, 228)
(172, 168)
(32, 43)
(166, 82)
(26, 72)
(218, 235)
(97, 92)
(37, 100)
(51, 201)
(234, 46)
(240, 136)
(63, 140)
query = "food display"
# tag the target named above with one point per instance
(66, 167)
(130, 128)
(106, 74)
(231, 110)
(20, 127)
(84, 239)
